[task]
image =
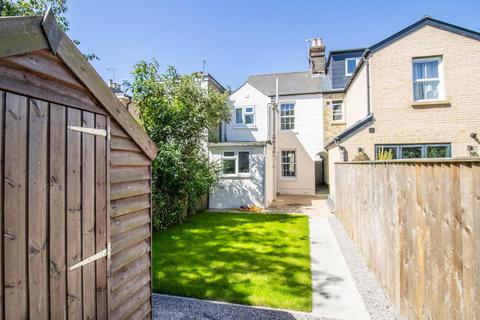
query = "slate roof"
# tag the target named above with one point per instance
(291, 83)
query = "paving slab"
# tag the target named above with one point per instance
(334, 293)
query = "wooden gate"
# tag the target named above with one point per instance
(54, 200)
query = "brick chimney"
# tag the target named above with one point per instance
(316, 56)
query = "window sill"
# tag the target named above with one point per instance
(236, 176)
(338, 122)
(243, 126)
(288, 132)
(288, 178)
(431, 103)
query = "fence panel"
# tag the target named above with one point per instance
(417, 223)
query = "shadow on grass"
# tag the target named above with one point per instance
(254, 259)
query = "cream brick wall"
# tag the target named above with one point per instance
(396, 121)
(392, 94)
(331, 129)
(356, 99)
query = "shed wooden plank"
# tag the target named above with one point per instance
(2, 115)
(125, 144)
(122, 294)
(117, 131)
(124, 240)
(130, 221)
(20, 35)
(129, 255)
(45, 64)
(74, 214)
(136, 300)
(120, 278)
(129, 205)
(125, 174)
(142, 312)
(58, 280)
(90, 78)
(126, 158)
(129, 189)
(101, 217)
(27, 83)
(37, 209)
(88, 216)
(15, 190)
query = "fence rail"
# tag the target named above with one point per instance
(418, 226)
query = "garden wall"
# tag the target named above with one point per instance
(417, 223)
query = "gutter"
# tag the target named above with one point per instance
(365, 122)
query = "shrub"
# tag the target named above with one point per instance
(177, 114)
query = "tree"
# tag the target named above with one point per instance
(38, 8)
(177, 114)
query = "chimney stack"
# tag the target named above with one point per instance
(316, 55)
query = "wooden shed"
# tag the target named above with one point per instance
(75, 191)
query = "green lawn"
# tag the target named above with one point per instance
(254, 259)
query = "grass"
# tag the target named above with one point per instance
(253, 259)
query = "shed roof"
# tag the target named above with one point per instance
(19, 35)
(291, 83)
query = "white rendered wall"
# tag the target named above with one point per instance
(249, 96)
(306, 139)
(233, 192)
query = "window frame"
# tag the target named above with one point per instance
(235, 157)
(282, 103)
(243, 122)
(439, 59)
(342, 113)
(424, 146)
(288, 163)
(347, 74)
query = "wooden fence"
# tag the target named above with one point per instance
(417, 223)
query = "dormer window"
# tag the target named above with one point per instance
(350, 65)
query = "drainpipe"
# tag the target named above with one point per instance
(274, 139)
(365, 58)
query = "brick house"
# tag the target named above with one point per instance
(415, 94)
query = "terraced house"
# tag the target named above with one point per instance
(415, 94)
(408, 95)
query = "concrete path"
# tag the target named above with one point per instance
(335, 294)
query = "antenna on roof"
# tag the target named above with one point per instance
(113, 72)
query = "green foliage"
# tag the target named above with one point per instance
(38, 8)
(385, 154)
(255, 259)
(177, 114)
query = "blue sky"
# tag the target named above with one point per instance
(239, 38)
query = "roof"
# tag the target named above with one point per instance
(291, 83)
(350, 131)
(19, 35)
(425, 21)
(213, 81)
(237, 144)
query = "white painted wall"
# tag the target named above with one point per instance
(249, 96)
(233, 192)
(306, 140)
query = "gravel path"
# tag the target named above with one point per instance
(372, 294)
(179, 308)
